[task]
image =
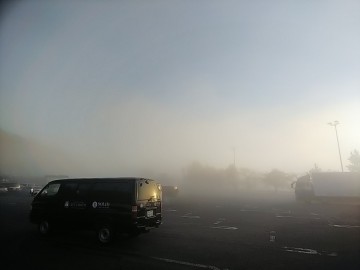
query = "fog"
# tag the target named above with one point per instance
(123, 89)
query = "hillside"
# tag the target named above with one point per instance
(26, 157)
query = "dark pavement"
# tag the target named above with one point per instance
(196, 234)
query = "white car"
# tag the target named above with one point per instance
(15, 187)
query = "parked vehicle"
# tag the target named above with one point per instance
(10, 187)
(328, 186)
(170, 191)
(106, 205)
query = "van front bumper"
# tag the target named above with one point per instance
(148, 223)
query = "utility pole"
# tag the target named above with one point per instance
(334, 124)
(234, 152)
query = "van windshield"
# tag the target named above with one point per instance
(148, 190)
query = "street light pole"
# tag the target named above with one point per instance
(334, 124)
(234, 151)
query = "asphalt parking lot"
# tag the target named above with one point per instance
(196, 234)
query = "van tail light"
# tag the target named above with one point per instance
(134, 211)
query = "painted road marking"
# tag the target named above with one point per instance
(224, 228)
(189, 215)
(220, 220)
(198, 265)
(344, 226)
(309, 251)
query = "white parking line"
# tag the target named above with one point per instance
(204, 266)
(188, 215)
(220, 220)
(309, 251)
(344, 226)
(301, 250)
(224, 228)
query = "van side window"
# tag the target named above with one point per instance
(119, 192)
(50, 190)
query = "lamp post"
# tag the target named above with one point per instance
(334, 124)
(234, 152)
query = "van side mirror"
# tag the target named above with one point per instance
(33, 193)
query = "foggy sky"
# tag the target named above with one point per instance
(123, 86)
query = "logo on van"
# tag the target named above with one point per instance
(100, 204)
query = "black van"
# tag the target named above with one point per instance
(106, 205)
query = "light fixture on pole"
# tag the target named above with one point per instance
(334, 124)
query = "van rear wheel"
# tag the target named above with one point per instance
(44, 227)
(105, 234)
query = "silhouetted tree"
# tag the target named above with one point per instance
(277, 178)
(249, 178)
(354, 161)
(197, 174)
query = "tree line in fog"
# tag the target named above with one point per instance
(201, 177)
(232, 178)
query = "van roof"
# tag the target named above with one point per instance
(97, 179)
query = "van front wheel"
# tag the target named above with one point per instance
(105, 234)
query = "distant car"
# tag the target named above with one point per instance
(3, 190)
(10, 187)
(328, 186)
(170, 191)
(14, 188)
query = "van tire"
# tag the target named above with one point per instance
(105, 234)
(44, 227)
